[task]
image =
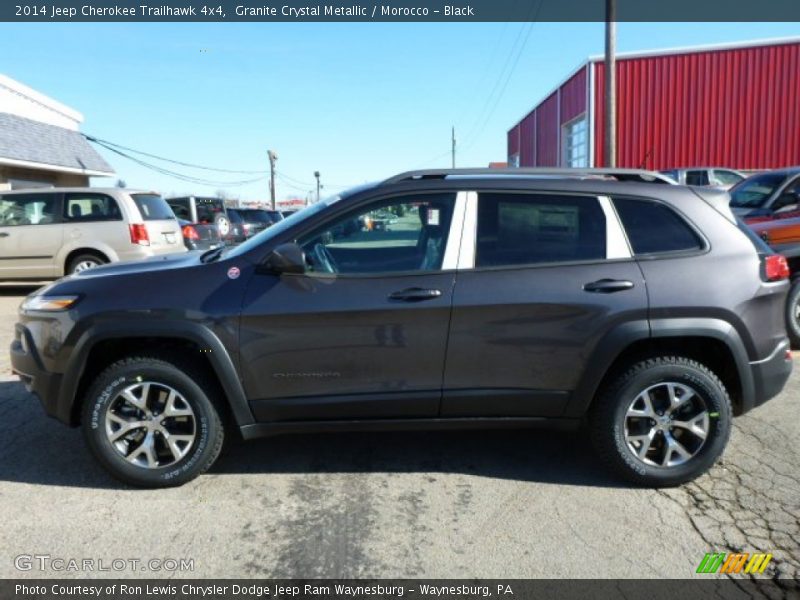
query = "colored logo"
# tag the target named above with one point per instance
(234, 273)
(734, 563)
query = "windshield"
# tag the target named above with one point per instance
(755, 191)
(277, 229)
(291, 220)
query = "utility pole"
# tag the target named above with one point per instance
(611, 84)
(316, 174)
(272, 158)
(453, 150)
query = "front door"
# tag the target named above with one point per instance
(31, 234)
(362, 334)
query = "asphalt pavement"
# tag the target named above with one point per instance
(457, 504)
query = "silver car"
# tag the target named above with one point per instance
(706, 176)
(48, 233)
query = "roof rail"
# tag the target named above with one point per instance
(626, 174)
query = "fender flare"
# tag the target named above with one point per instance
(623, 336)
(220, 360)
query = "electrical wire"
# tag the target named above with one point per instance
(175, 174)
(106, 143)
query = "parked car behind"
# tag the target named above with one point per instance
(767, 193)
(255, 220)
(48, 233)
(720, 177)
(208, 210)
(782, 232)
(647, 313)
(199, 236)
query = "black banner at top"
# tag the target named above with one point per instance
(393, 10)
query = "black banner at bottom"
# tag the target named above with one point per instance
(443, 589)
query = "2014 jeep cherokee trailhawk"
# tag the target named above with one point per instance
(459, 298)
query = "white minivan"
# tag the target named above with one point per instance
(48, 233)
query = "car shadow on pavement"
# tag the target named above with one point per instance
(19, 289)
(35, 449)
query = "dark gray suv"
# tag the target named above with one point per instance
(451, 299)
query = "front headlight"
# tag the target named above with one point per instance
(49, 303)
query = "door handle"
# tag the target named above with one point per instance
(415, 295)
(608, 286)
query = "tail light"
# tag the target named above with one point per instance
(139, 234)
(776, 268)
(246, 229)
(190, 232)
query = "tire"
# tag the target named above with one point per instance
(83, 262)
(188, 418)
(224, 225)
(615, 422)
(793, 314)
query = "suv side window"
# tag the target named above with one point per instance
(83, 207)
(655, 228)
(27, 209)
(518, 229)
(699, 177)
(407, 233)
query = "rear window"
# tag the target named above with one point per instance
(654, 228)
(153, 207)
(756, 190)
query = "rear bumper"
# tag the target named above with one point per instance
(771, 374)
(26, 363)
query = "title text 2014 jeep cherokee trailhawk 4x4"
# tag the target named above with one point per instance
(505, 299)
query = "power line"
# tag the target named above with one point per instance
(106, 143)
(523, 34)
(175, 174)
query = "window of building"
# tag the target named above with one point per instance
(655, 228)
(406, 233)
(517, 229)
(576, 143)
(91, 207)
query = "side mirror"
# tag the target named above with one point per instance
(286, 258)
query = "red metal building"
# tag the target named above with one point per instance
(733, 105)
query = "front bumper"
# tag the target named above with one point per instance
(771, 374)
(26, 363)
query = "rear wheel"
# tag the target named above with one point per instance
(85, 261)
(663, 422)
(152, 423)
(793, 313)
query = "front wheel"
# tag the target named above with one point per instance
(151, 423)
(793, 313)
(663, 422)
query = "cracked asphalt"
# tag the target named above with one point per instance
(519, 504)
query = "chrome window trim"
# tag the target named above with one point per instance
(452, 250)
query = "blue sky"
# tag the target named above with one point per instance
(355, 101)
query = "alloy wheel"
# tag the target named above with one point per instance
(667, 424)
(150, 425)
(84, 265)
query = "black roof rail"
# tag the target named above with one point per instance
(642, 174)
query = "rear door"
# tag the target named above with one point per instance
(547, 277)
(95, 220)
(31, 234)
